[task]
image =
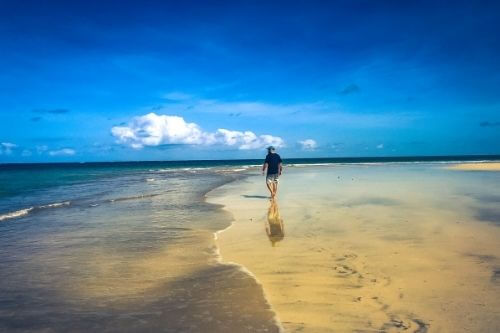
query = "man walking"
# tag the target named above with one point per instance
(274, 166)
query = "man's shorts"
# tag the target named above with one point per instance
(272, 178)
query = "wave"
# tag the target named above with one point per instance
(180, 169)
(26, 211)
(222, 168)
(33, 209)
(142, 196)
(235, 169)
(56, 204)
(17, 213)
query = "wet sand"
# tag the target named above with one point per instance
(378, 248)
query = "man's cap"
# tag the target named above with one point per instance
(271, 148)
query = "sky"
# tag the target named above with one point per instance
(180, 80)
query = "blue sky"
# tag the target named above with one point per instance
(159, 80)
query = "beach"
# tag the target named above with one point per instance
(142, 144)
(371, 248)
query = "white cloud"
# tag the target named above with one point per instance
(247, 139)
(153, 130)
(6, 148)
(308, 144)
(380, 146)
(62, 152)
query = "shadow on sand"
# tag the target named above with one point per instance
(254, 196)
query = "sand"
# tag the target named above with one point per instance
(486, 166)
(371, 248)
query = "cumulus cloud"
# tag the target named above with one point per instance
(154, 130)
(247, 139)
(308, 144)
(62, 152)
(6, 148)
(380, 146)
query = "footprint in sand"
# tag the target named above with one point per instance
(344, 267)
(405, 323)
(344, 270)
(349, 256)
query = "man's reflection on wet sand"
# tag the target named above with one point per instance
(275, 228)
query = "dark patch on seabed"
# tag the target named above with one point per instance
(490, 214)
(218, 299)
(481, 258)
(378, 201)
(484, 197)
(495, 276)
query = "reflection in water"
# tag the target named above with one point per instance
(274, 227)
(389, 251)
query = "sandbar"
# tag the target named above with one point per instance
(381, 248)
(486, 166)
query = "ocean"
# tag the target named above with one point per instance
(129, 246)
(30, 187)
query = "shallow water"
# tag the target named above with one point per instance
(374, 248)
(132, 252)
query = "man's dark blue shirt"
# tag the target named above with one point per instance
(273, 161)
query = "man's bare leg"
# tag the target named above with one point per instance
(275, 189)
(270, 187)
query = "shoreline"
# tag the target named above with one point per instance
(219, 258)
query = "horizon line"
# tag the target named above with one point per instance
(429, 158)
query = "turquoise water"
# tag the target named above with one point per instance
(114, 248)
(24, 185)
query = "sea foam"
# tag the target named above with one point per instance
(26, 211)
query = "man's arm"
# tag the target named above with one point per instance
(281, 167)
(264, 167)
